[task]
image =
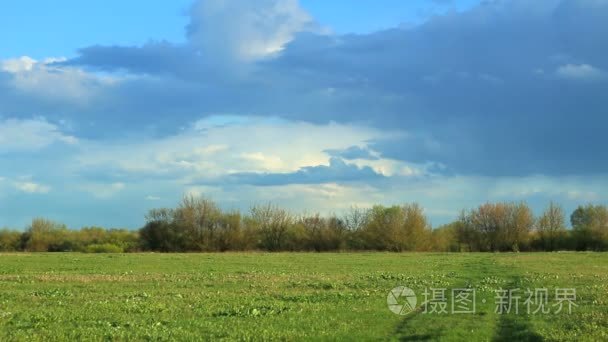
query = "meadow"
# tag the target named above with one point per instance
(291, 296)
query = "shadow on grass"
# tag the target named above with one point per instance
(406, 330)
(510, 328)
(419, 337)
(515, 328)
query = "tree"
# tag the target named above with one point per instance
(272, 224)
(383, 229)
(489, 220)
(197, 224)
(47, 236)
(355, 220)
(552, 227)
(496, 227)
(518, 227)
(467, 234)
(317, 233)
(314, 232)
(10, 241)
(416, 228)
(590, 225)
(199, 219)
(396, 228)
(444, 238)
(229, 232)
(160, 233)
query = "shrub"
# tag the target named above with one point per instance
(47, 236)
(10, 241)
(104, 248)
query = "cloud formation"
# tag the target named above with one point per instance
(580, 72)
(32, 188)
(262, 102)
(472, 82)
(245, 30)
(337, 171)
(18, 135)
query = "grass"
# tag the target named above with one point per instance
(261, 296)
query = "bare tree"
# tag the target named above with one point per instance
(355, 218)
(552, 227)
(272, 223)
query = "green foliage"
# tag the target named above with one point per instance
(10, 241)
(196, 225)
(47, 236)
(200, 225)
(103, 248)
(396, 229)
(444, 238)
(552, 234)
(496, 227)
(272, 225)
(590, 225)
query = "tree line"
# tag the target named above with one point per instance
(199, 225)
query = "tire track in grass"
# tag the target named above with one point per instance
(515, 326)
(485, 324)
(403, 325)
(430, 327)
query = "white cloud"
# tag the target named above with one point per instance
(32, 188)
(391, 167)
(103, 191)
(246, 30)
(565, 187)
(48, 80)
(581, 72)
(17, 65)
(252, 145)
(268, 162)
(31, 134)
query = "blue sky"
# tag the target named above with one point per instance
(41, 28)
(110, 108)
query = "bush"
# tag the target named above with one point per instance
(47, 236)
(103, 248)
(10, 241)
(200, 225)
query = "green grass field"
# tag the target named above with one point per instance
(289, 296)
